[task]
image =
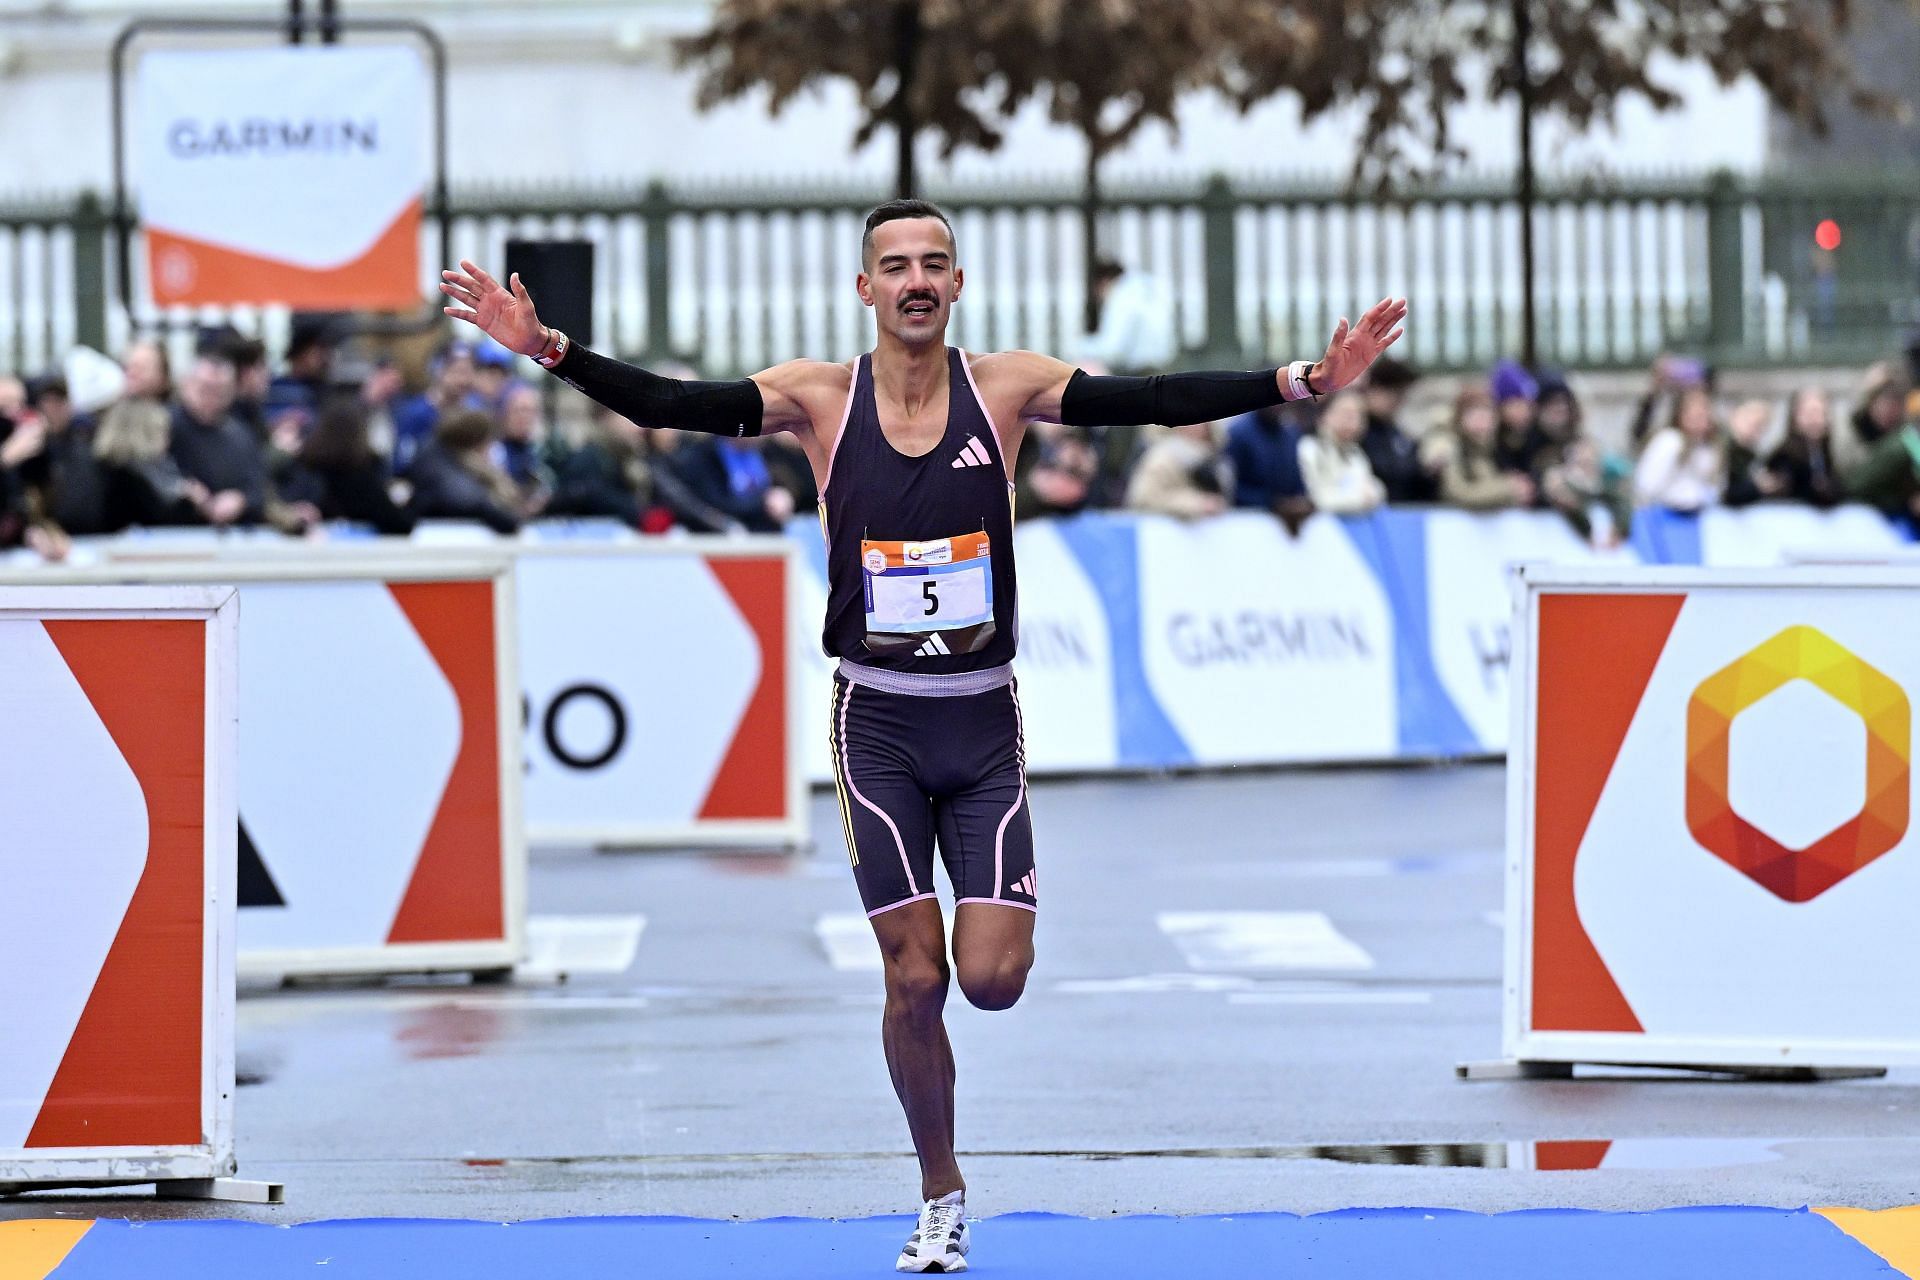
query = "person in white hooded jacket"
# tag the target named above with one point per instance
(1339, 478)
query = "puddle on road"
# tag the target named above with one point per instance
(448, 1031)
(1543, 1156)
(1547, 1155)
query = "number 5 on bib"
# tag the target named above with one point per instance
(935, 597)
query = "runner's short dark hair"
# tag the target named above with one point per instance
(893, 211)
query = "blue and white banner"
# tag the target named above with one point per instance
(1469, 559)
(1262, 646)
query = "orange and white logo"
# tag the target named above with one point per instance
(1828, 672)
(288, 175)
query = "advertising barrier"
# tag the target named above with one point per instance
(117, 821)
(1710, 790)
(379, 779)
(1262, 646)
(660, 679)
(660, 702)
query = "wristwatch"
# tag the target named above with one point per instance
(1297, 383)
(554, 351)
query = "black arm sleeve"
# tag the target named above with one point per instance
(649, 400)
(1166, 399)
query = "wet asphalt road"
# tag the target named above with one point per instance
(733, 1068)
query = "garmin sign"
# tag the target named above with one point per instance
(1262, 646)
(199, 139)
(1266, 636)
(286, 175)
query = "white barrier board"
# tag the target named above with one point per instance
(660, 704)
(117, 803)
(1710, 796)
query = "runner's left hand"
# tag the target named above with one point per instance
(1356, 347)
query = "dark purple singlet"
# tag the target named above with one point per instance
(876, 494)
(928, 745)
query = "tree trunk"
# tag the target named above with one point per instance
(1090, 220)
(1523, 81)
(906, 60)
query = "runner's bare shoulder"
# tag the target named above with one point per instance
(804, 395)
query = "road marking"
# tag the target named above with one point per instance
(848, 940)
(1215, 940)
(1459, 862)
(558, 945)
(1330, 997)
(1154, 984)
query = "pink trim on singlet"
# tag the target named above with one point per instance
(846, 415)
(846, 771)
(993, 428)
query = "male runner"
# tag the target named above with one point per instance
(913, 446)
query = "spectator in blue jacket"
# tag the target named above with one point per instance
(416, 419)
(731, 477)
(1264, 448)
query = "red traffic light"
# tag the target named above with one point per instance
(1827, 234)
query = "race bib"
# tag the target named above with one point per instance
(917, 591)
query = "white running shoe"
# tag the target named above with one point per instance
(939, 1242)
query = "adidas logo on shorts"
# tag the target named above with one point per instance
(933, 648)
(973, 454)
(1023, 885)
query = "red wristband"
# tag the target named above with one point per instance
(554, 351)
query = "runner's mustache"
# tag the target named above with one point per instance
(927, 298)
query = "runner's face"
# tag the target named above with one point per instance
(911, 281)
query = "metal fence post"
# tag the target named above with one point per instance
(90, 271)
(1726, 284)
(655, 210)
(1217, 209)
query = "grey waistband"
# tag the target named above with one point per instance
(922, 685)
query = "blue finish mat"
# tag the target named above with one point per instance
(1431, 1244)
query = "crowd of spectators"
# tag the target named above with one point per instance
(226, 442)
(1513, 439)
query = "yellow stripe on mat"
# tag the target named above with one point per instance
(1894, 1234)
(30, 1250)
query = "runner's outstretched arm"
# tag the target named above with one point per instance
(1058, 392)
(743, 407)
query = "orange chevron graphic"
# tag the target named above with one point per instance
(183, 270)
(455, 893)
(146, 680)
(751, 781)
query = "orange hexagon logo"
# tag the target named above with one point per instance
(1799, 653)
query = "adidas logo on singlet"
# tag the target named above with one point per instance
(973, 455)
(933, 648)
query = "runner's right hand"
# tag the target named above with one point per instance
(503, 314)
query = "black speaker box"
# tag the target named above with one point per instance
(559, 275)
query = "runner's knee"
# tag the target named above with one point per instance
(996, 984)
(917, 980)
